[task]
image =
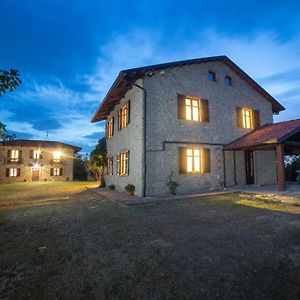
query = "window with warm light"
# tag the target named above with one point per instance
(123, 116)
(13, 172)
(192, 109)
(36, 154)
(123, 163)
(193, 160)
(14, 155)
(247, 118)
(56, 156)
(56, 172)
(110, 128)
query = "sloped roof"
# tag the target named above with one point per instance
(38, 143)
(124, 81)
(266, 135)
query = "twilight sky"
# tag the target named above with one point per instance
(69, 52)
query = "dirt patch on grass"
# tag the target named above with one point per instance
(90, 248)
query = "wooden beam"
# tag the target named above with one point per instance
(280, 167)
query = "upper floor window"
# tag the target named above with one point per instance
(193, 109)
(110, 165)
(124, 116)
(123, 163)
(110, 128)
(228, 81)
(56, 156)
(14, 155)
(36, 154)
(211, 76)
(248, 118)
(194, 160)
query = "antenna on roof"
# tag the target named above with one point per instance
(46, 135)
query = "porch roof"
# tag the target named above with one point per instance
(267, 135)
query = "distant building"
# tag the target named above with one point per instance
(33, 160)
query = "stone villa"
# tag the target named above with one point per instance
(204, 119)
(32, 160)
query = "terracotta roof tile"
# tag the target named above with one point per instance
(265, 135)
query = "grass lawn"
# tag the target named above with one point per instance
(37, 193)
(86, 247)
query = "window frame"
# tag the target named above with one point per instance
(247, 118)
(36, 154)
(123, 163)
(212, 76)
(110, 128)
(55, 173)
(228, 81)
(14, 155)
(193, 158)
(109, 168)
(191, 107)
(124, 115)
(13, 172)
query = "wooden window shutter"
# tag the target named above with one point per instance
(205, 160)
(239, 116)
(113, 125)
(119, 119)
(182, 160)
(61, 171)
(41, 155)
(128, 112)
(256, 119)
(9, 153)
(7, 172)
(20, 153)
(204, 110)
(106, 129)
(51, 172)
(118, 164)
(181, 107)
(18, 172)
(31, 154)
(128, 155)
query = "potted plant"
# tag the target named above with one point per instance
(130, 188)
(112, 187)
(171, 184)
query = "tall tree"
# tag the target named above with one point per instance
(97, 161)
(9, 80)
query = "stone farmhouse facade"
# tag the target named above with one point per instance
(33, 160)
(180, 117)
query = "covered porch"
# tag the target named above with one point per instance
(283, 138)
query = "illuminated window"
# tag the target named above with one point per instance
(56, 172)
(110, 128)
(211, 76)
(193, 160)
(110, 165)
(192, 109)
(123, 116)
(36, 154)
(123, 163)
(247, 118)
(14, 155)
(13, 172)
(56, 156)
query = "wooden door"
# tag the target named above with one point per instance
(35, 175)
(249, 162)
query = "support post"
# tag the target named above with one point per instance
(280, 167)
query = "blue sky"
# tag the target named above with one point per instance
(69, 52)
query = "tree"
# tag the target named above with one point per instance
(80, 172)
(97, 161)
(9, 80)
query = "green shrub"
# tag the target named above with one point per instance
(130, 188)
(171, 184)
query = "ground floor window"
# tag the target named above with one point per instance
(123, 163)
(194, 160)
(13, 172)
(110, 165)
(56, 172)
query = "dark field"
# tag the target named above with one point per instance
(86, 247)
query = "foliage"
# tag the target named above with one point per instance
(97, 161)
(9, 80)
(80, 172)
(171, 184)
(4, 135)
(291, 167)
(112, 187)
(130, 188)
